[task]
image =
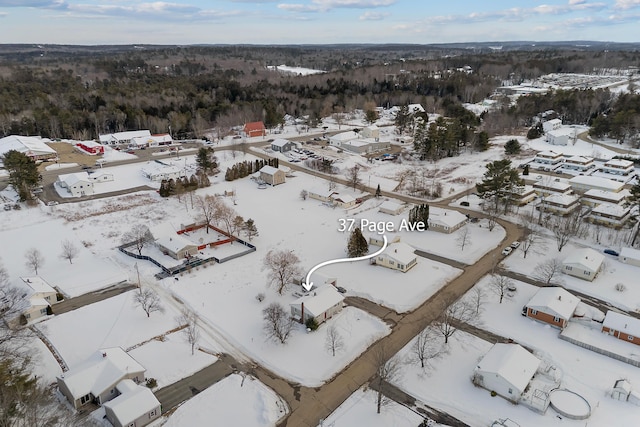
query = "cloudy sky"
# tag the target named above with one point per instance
(315, 21)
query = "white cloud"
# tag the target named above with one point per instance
(626, 4)
(373, 16)
(355, 4)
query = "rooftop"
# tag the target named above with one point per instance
(555, 301)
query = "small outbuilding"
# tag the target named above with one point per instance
(272, 176)
(320, 304)
(584, 263)
(553, 306)
(506, 370)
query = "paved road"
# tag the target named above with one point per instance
(386, 314)
(86, 299)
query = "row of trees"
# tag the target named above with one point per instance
(247, 167)
(179, 186)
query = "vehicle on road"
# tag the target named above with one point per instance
(52, 203)
(515, 245)
(506, 251)
(611, 252)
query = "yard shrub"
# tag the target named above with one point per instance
(151, 382)
(311, 324)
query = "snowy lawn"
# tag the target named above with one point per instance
(360, 410)
(247, 403)
(582, 371)
(114, 322)
(170, 360)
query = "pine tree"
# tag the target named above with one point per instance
(419, 213)
(228, 176)
(512, 147)
(378, 191)
(357, 245)
(250, 229)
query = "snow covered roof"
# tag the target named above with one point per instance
(70, 179)
(549, 154)
(629, 253)
(415, 108)
(134, 401)
(101, 371)
(269, 170)
(554, 301)
(580, 160)
(175, 243)
(28, 145)
(596, 181)
(320, 300)
(388, 205)
(90, 143)
(569, 131)
(561, 199)
(280, 142)
(400, 252)
(511, 362)
(155, 168)
(607, 195)
(123, 136)
(611, 210)
(38, 285)
(586, 257)
(619, 163)
(345, 136)
(621, 322)
(552, 185)
(447, 218)
(344, 198)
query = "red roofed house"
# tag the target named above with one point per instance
(254, 129)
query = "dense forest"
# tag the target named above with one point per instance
(80, 92)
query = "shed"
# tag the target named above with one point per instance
(553, 305)
(320, 304)
(135, 406)
(621, 326)
(584, 263)
(272, 176)
(630, 256)
(507, 370)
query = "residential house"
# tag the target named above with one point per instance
(609, 215)
(553, 306)
(90, 147)
(547, 187)
(618, 167)
(583, 183)
(33, 147)
(176, 246)
(596, 197)
(34, 301)
(446, 221)
(562, 136)
(579, 163)
(101, 176)
(506, 370)
(158, 171)
(254, 129)
(272, 176)
(122, 137)
(397, 256)
(136, 406)
(630, 256)
(321, 194)
(344, 201)
(390, 208)
(372, 132)
(551, 125)
(320, 304)
(559, 204)
(621, 326)
(282, 145)
(584, 263)
(77, 184)
(96, 379)
(521, 195)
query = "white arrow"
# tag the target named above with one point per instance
(307, 284)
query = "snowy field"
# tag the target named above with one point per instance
(114, 322)
(239, 402)
(360, 410)
(159, 359)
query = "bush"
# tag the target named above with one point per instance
(49, 310)
(59, 296)
(620, 287)
(260, 297)
(493, 393)
(311, 324)
(151, 382)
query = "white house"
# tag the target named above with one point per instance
(123, 137)
(559, 204)
(562, 136)
(372, 132)
(547, 187)
(630, 256)
(320, 304)
(579, 163)
(176, 246)
(584, 263)
(282, 145)
(390, 208)
(158, 171)
(506, 369)
(610, 215)
(397, 256)
(272, 176)
(36, 296)
(96, 379)
(150, 141)
(446, 221)
(100, 176)
(618, 167)
(548, 158)
(552, 305)
(596, 197)
(345, 201)
(551, 125)
(77, 184)
(584, 183)
(136, 406)
(321, 194)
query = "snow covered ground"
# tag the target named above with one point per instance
(236, 400)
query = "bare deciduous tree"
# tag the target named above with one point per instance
(499, 285)
(283, 267)
(148, 300)
(427, 346)
(304, 194)
(548, 270)
(278, 325)
(139, 236)
(388, 369)
(565, 228)
(333, 340)
(34, 259)
(460, 311)
(353, 176)
(477, 297)
(69, 250)
(463, 238)
(191, 333)
(207, 206)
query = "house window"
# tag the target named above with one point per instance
(533, 312)
(153, 413)
(111, 391)
(43, 311)
(568, 267)
(630, 337)
(391, 262)
(587, 273)
(84, 399)
(400, 266)
(556, 319)
(510, 391)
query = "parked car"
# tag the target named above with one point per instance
(341, 289)
(506, 251)
(464, 203)
(52, 203)
(611, 252)
(515, 245)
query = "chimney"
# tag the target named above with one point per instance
(301, 312)
(559, 297)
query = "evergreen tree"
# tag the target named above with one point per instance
(525, 170)
(250, 229)
(482, 143)
(23, 173)
(378, 191)
(512, 147)
(419, 213)
(164, 188)
(498, 183)
(535, 132)
(357, 245)
(403, 118)
(206, 160)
